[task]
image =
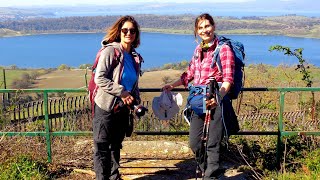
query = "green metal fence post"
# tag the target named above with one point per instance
(47, 124)
(85, 77)
(4, 98)
(280, 129)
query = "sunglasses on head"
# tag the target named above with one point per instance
(126, 30)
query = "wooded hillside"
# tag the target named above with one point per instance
(290, 25)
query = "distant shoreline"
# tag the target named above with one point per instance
(290, 26)
(162, 31)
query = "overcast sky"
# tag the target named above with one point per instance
(8, 3)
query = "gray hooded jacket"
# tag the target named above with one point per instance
(108, 76)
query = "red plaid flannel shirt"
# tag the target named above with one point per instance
(200, 71)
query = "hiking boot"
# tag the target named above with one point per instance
(199, 173)
(219, 173)
(118, 177)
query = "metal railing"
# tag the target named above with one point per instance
(48, 133)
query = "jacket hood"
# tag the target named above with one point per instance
(104, 43)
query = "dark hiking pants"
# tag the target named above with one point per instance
(213, 144)
(108, 133)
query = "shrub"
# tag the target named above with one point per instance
(166, 79)
(63, 67)
(310, 169)
(21, 84)
(313, 161)
(25, 77)
(23, 167)
(34, 75)
(85, 66)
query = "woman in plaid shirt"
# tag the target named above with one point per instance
(200, 72)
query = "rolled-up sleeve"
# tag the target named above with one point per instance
(188, 76)
(228, 63)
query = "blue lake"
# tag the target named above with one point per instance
(50, 51)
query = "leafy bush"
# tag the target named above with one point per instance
(310, 169)
(34, 75)
(166, 79)
(63, 67)
(21, 84)
(312, 161)
(85, 66)
(23, 167)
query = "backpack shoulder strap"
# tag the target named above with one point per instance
(138, 58)
(116, 58)
(94, 66)
(216, 55)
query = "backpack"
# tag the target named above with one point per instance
(239, 55)
(92, 87)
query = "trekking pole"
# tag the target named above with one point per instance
(205, 139)
(205, 131)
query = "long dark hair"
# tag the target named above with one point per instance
(204, 16)
(114, 32)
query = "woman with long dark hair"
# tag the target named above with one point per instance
(116, 76)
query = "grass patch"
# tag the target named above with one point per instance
(11, 75)
(23, 167)
(309, 170)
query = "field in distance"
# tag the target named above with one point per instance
(75, 78)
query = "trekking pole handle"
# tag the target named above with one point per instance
(213, 91)
(211, 88)
(217, 94)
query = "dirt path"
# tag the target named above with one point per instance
(155, 160)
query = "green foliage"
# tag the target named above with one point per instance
(177, 66)
(26, 80)
(35, 126)
(13, 67)
(306, 77)
(63, 67)
(168, 66)
(3, 118)
(312, 161)
(309, 169)
(23, 167)
(20, 84)
(10, 76)
(20, 78)
(85, 66)
(302, 157)
(166, 79)
(283, 25)
(296, 148)
(34, 74)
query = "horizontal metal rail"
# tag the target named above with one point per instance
(48, 133)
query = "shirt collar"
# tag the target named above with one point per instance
(212, 45)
